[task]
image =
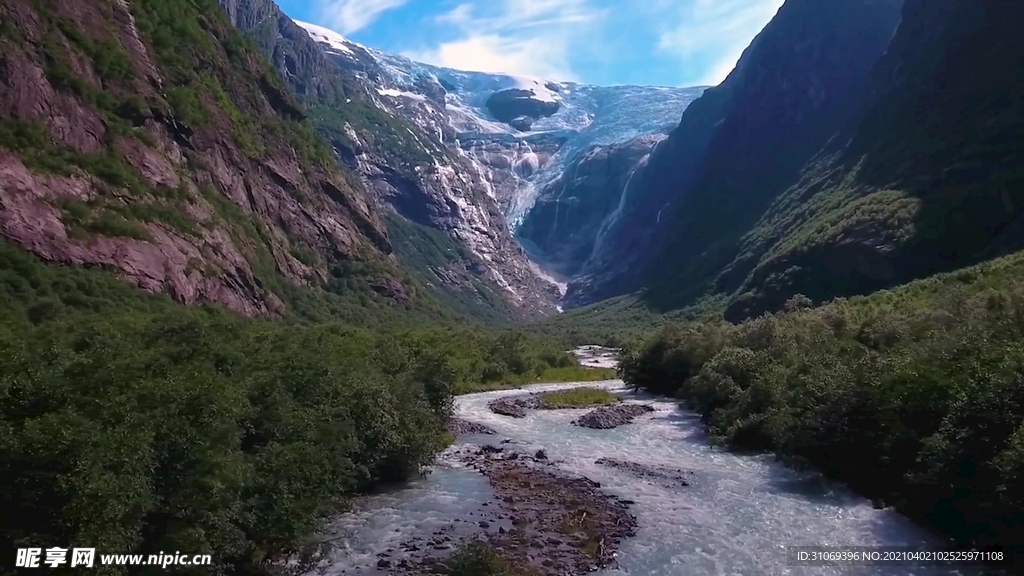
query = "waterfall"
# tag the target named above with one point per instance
(609, 221)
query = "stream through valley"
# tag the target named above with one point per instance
(736, 517)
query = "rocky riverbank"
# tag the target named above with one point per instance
(462, 427)
(552, 522)
(612, 416)
(562, 524)
(515, 406)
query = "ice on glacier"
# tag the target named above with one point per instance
(587, 115)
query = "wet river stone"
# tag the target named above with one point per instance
(612, 416)
(515, 406)
(551, 522)
(461, 427)
(663, 475)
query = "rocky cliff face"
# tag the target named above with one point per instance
(401, 160)
(521, 106)
(150, 139)
(737, 147)
(826, 167)
(567, 228)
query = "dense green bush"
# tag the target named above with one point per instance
(913, 396)
(193, 430)
(132, 424)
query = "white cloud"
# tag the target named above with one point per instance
(515, 37)
(712, 34)
(348, 16)
(499, 55)
(461, 14)
(545, 38)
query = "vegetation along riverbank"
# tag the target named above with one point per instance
(134, 424)
(914, 396)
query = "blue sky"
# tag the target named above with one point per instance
(658, 42)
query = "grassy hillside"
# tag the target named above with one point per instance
(622, 320)
(744, 142)
(441, 264)
(913, 396)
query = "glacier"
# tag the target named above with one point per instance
(517, 159)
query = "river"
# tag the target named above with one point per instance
(737, 518)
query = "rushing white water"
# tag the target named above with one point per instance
(736, 519)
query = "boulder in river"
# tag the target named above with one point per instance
(515, 407)
(459, 427)
(671, 477)
(612, 416)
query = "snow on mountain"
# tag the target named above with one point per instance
(326, 36)
(393, 92)
(537, 87)
(520, 133)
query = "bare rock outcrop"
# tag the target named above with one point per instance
(176, 196)
(612, 416)
(460, 426)
(516, 406)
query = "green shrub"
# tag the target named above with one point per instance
(579, 398)
(480, 559)
(197, 431)
(914, 396)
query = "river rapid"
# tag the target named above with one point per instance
(736, 518)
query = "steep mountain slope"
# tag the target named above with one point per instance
(569, 223)
(738, 146)
(149, 138)
(427, 186)
(925, 178)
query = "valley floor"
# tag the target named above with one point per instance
(659, 497)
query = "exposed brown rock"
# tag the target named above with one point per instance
(612, 416)
(666, 476)
(461, 426)
(516, 406)
(292, 202)
(563, 524)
